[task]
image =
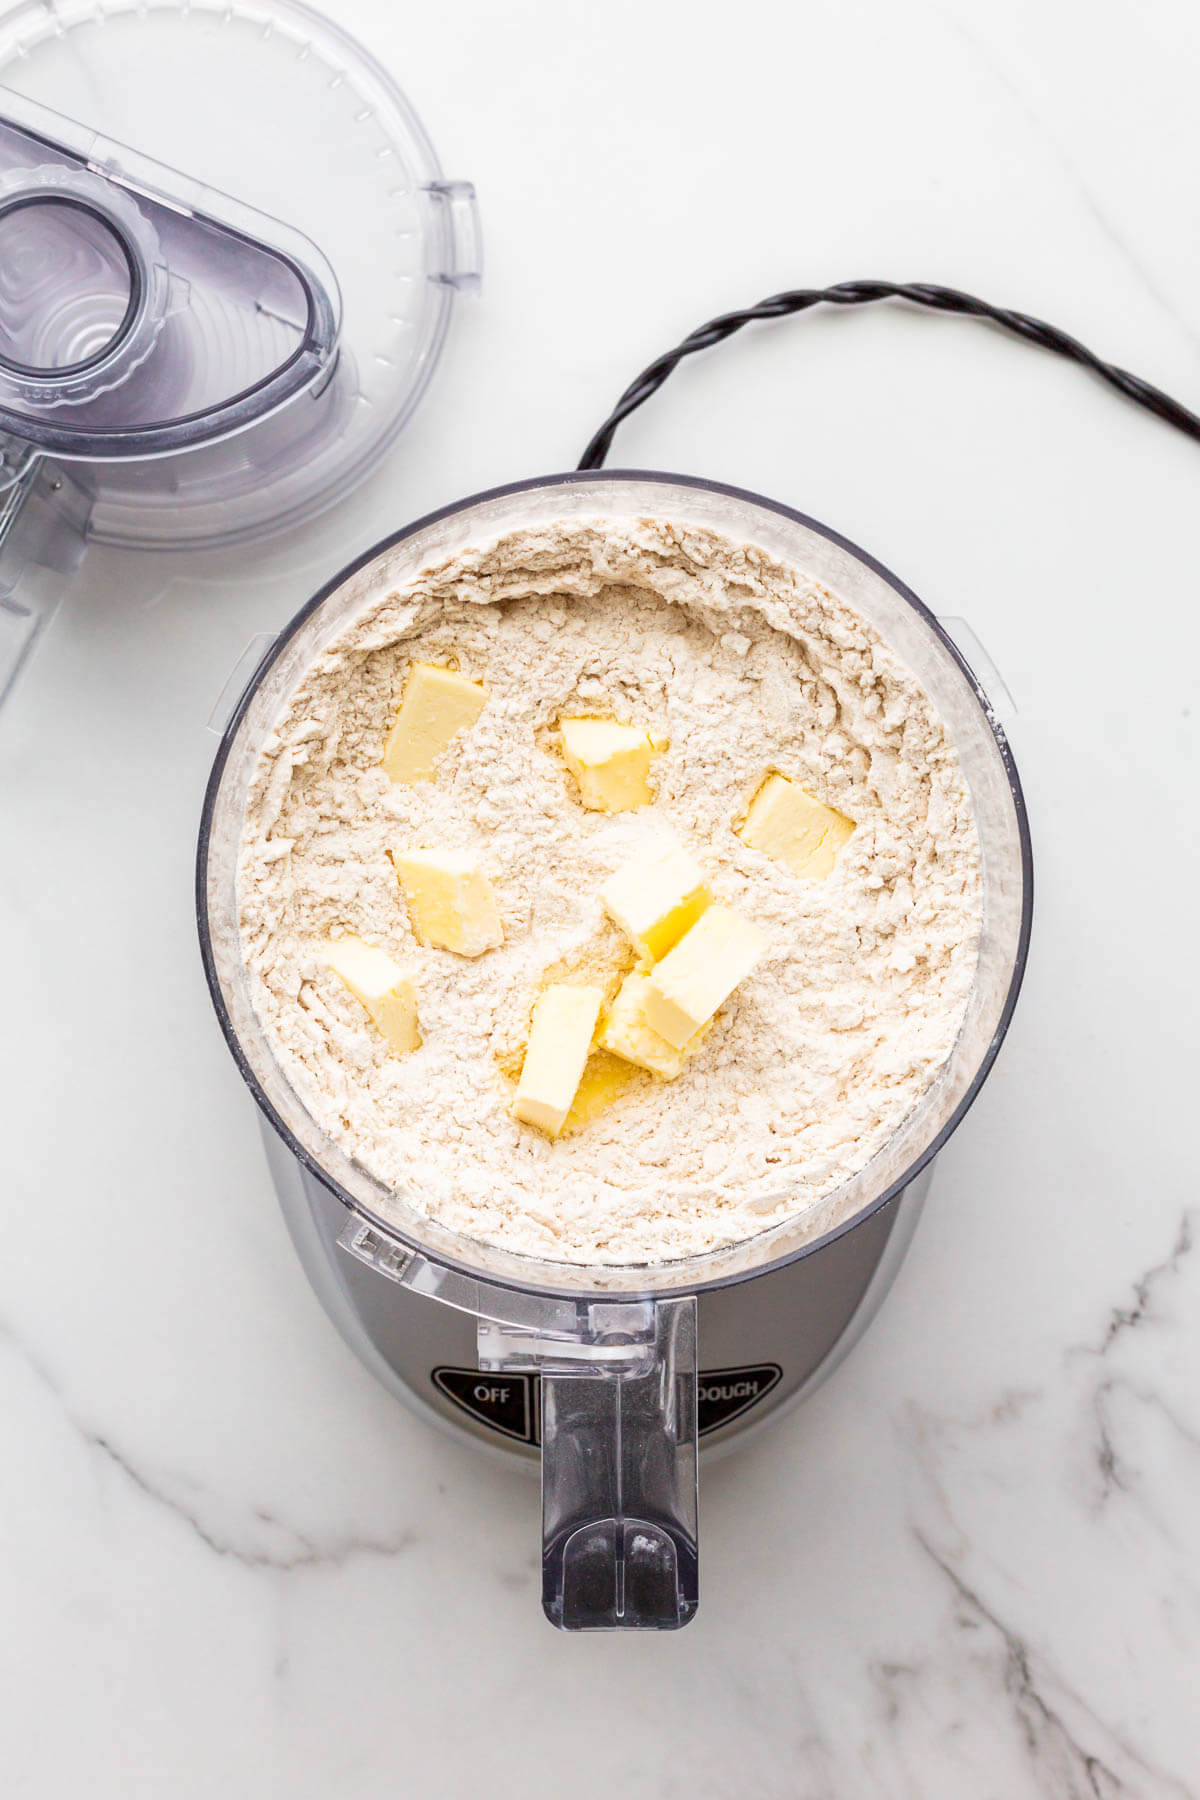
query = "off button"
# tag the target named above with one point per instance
(501, 1402)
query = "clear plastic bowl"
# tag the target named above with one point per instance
(911, 631)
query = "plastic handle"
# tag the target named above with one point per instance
(238, 680)
(619, 1502)
(457, 246)
(988, 679)
(43, 521)
(619, 1460)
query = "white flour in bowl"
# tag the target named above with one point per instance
(743, 665)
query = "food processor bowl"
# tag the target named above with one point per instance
(615, 1345)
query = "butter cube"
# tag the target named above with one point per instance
(381, 986)
(786, 823)
(451, 902)
(628, 1033)
(560, 1037)
(692, 980)
(610, 763)
(605, 1078)
(438, 704)
(655, 898)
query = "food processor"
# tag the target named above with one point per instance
(612, 1374)
(209, 336)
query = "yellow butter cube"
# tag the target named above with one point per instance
(438, 704)
(381, 986)
(605, 1078)
(451, 902)
(686, 988)
(560, 1037)
(610, 763)
(655, 898)
(628, 1033)
(786, 823)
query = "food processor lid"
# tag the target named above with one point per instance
(227, 260)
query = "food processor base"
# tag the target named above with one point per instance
(764, 1346)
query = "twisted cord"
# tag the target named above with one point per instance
(861, 293)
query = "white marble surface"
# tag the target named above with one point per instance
(968, 1569)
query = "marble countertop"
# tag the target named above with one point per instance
(969, 1568)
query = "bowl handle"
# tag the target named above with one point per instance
(619, 1506)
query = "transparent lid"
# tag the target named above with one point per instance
(227, 260)
(912, 633)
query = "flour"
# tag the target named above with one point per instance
(742, 665)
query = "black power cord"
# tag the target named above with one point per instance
(861, 293)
